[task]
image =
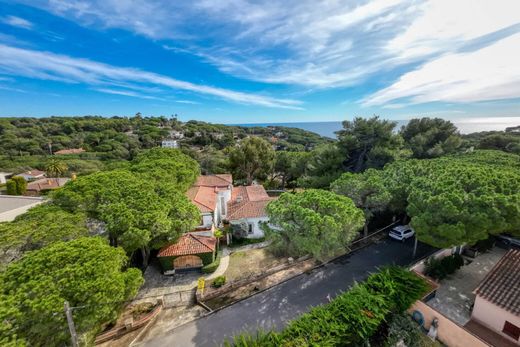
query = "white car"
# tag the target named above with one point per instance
(401, 232)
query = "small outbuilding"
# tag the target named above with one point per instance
(190, 252)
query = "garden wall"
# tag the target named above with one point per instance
(449, 332)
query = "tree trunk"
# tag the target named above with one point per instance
(144, 254)
(365, 230)
(414, 247)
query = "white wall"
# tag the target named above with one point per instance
(257, 231)
(493, 316)
(207, 220)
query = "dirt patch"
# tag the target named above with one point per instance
(264, 283)
(244, 264)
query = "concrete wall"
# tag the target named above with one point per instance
(449, 332)
(420, 266)
(493, 316)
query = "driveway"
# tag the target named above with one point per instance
(273, 308)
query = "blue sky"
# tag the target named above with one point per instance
(239, 61)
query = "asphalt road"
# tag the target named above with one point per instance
(273, 308)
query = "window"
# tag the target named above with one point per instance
(223, 204)
(511, 330)
(250, 228)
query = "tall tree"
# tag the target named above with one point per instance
(368, 143)
(252, 159)
(315, 222)
(289, 166)
(431, 137)
(86, 272)
(323, 166)
(367, 190)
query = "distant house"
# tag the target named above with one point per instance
(176, 135)
(190, 252)
(497, 302)
(45, 184)
(32, 175)
(4, 176)
(69, 151)
(169, 144)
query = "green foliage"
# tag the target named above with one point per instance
(368, 143)
(367, 190)
(322, 166)
(351, 318)
(441, 268)
(431, 137)
(289, 166)
(55, 168)
(315, 222)
(403, 328)
(40, 226)
(211, 267)
(16, 186)
(457, 199)
(86, 272)
(219, 281)
(252, 159)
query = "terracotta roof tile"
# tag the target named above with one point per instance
(248, 202)
(222, 180)
(189, 244)
(205, 198)
(47, 183)
(501, 286)
(70, 151)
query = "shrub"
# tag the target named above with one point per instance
(349, 319)
(441, 268)
(211, 267)
(219, 281)
(402, 327)
(16, 186)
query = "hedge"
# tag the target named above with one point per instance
(351, 318)
(211, 267)
(441, 268)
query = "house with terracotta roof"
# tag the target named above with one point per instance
(32, 175)
(69, 151)
(45, 184)
(248, 207)
(219, 201)
(497, 301)
(190, 252)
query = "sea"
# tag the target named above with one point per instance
(466, 126)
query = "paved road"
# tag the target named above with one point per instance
(274, 307)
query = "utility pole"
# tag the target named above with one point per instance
(72, 329)
(414, 247)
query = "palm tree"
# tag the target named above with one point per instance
(218, 234)
(55, 167)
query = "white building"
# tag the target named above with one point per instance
(4, 176)
(169, 144)
(219, 201)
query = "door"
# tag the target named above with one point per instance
(186, 262)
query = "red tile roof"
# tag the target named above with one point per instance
(70, 151)
(47, 183)
(248, 202)
(205, 198)
(223, 180)
(501, 286)
(189, 244)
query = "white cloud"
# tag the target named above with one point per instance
(187, 102)
(126, 93)
(50, 66)
(491, 73)
(317, 44)
(17, 22)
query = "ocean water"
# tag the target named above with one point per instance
(465, 126)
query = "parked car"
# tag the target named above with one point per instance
(401, 232)
(509, 240)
